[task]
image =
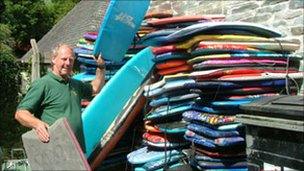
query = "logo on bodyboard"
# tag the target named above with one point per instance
(126, 19)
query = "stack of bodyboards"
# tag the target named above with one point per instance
(87, 63)
(206, 71)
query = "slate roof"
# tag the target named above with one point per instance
(85, 16)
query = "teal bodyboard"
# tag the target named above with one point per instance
(121, 22)
(84, 76)
(110, 102)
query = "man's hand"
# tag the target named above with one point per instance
(26, 118)
(99, 80)
(100, 62)
(42, 132)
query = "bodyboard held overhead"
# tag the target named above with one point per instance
(104, 108)
(121, 22)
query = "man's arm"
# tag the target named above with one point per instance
(99, 81)
(25, 118)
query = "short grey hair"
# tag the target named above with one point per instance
(57, 47)
(56, 50)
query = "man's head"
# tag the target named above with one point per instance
(63, 60)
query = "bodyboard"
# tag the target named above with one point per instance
(62, 152)
(144, 155)
(118, 128)
(280, 46)
(121, 22)
(262, 76)
(213, 27)
(104, 108)
(84, 76)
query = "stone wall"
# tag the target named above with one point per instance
(286, 16)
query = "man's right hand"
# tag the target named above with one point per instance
(42, 132)
(27, 119)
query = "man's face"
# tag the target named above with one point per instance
(63, 62)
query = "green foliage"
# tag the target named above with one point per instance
(9, 73)
(32, 19)
(27, 19)
(61, 7)
(6, 42)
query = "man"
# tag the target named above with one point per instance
(57, 95)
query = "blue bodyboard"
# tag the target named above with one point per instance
(84, 76)
(110, 102)
(121, 22)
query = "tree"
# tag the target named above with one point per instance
(9, 89)
(32, 19)
(27, 19)
(6, 42)
(1, 7)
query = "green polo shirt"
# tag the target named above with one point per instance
(51, 97)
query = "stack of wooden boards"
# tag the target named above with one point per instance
(274, 131)
(206, 71)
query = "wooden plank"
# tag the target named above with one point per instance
(275, 159)
(35, 61)
(275, 146)
(291, 125)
